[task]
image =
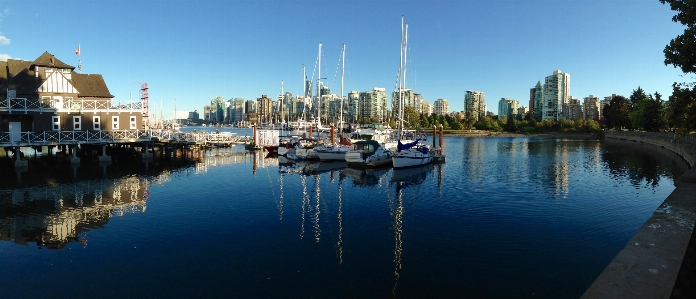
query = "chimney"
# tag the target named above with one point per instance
(53, 59)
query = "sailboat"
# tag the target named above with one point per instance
(306, 148)
(337, 151)
(414, 153)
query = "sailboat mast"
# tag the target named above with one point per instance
(319, 92)
(401, 65)
(403, 106)
(282, 97)
(304, 98)
(343, 72)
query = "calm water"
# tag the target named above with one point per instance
(504, 217)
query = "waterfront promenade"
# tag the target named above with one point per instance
(650, 264)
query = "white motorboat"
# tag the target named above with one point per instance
(368, 153)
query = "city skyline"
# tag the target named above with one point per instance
(192, 52)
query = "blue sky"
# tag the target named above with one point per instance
(193, 51)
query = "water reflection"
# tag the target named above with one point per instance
(52, 205)
(329, 227)
(641, 164)
(403, 178)
(55, 215)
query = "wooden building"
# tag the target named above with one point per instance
(45, 102)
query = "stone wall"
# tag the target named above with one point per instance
(685, 146)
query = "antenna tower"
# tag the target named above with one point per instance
(143, 99)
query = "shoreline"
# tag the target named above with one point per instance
(589, 136)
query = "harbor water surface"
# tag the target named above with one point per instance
(503, 217)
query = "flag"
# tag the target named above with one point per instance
(77, 52)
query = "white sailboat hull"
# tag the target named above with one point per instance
(333, 153)
(381, 157)
(410, 158)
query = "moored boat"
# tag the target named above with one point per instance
(411, 154)
(368, 153)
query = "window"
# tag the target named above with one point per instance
(114, 122)
(133, 124)
(56, 123)
(95, 123)
(76, 123)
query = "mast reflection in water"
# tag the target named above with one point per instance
(504, 217)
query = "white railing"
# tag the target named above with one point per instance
(60, 137)
(71, 137)
(200, 137)
(79, 105)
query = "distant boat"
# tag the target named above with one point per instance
(368, 153)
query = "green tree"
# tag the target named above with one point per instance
(637, 95)
(510, 124)
(616, 113)
(488, 123)
(681, 53)
(681, 50)
(469, 121)
(654, 117)
(412, 117)
(681, 107)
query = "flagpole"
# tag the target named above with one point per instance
(79, 55)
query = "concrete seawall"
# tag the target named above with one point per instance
(649, 264)
(685, 146)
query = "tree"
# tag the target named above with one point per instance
(681, 50)
(681, 107)
(411, 116)
(469, 120)
(654, 115)
(637, 95)
(510, 125)
(617, 112)
(681, 53)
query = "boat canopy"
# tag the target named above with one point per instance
(401, 146)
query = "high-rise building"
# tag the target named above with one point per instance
(264, 109)
(574, 110)
(217, 110)
(591, 107)
(308, 89)
(507, 107)
(426, 109)
(206, 113)
(373, 104)
(301, 109)
(193, 116)
(352, 106)
(532, 91)
(235, 111)
(410, 98)
(556, 95)
(537, 101)
(441, 107)
(475, 104)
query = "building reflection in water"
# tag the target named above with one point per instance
(55, 215)
(53, 212)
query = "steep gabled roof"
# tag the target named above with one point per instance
(21, 78)
(3, 72)
(45, 60)
(14, 66)
(90, 85)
